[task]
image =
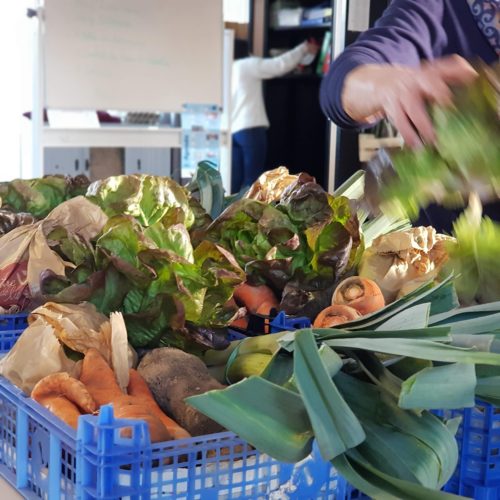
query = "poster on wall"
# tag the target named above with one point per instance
(201, 136)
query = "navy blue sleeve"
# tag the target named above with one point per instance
(407, 32)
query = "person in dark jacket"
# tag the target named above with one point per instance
(412, 56)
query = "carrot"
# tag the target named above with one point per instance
(240, 323)
(265, 308)
(138, 388)
(63, 408)
(254, 296)
(99, 378)
(134, 408)
(101, 382)
(362, 294)
(335, 315)
(61, 384)
(64, 396)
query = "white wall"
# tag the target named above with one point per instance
(16, 45)
(237, 11)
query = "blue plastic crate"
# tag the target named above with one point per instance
(284, 323)
(10, 322)
(11, 327)
(478, 437)
(44, 458)
(267, 324)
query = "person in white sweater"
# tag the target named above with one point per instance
(249, 120)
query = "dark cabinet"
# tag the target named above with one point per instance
(299, 133)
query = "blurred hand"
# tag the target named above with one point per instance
(312, 47)
(399, 93)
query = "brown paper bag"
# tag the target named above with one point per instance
(39, 351)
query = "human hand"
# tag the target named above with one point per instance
(399, 93)
(312, 46)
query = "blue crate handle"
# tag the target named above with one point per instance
(308, 477)
(282, 323)
(102, 451)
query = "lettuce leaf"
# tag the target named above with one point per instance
(308, 234)
(148, 198)
(40, 196)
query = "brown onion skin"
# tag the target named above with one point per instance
(335, 315)
(371, 300)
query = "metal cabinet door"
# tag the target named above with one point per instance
(154, 161)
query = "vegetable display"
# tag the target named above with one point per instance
(306, 241)
(361, 411)
(396, 331)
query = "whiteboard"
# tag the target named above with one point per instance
(132, 55)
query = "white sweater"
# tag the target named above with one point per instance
(247, 103)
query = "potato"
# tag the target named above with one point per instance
(173, 375)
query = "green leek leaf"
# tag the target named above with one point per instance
(441, 387)
(269, 417)
(414, 317)
(335, 426)
(423, 349)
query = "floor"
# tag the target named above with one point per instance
(7, 492)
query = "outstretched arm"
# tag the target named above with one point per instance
(381, 76)
(273, 67)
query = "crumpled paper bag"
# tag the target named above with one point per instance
(401, 261)
(39, 351)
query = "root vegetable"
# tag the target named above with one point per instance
(135, 409)
(64, 396)
(101, 382)
(99, 378)
(138, 388)
(173, 375)
(335, 315)
(252, 297)
(362, 294)
(63, 408)
(240, 323)
(265, 308)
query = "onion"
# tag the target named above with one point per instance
(335, 315)
(362, 294)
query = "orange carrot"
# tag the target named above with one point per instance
(64, 396)
(240, 323)
(335, 315)
(254, 296)
(138, 388)
(62, 384)
(134, 408)
(99, 378)
(63, 408)
(362, 294)
(265, 308)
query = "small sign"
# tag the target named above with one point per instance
(201, 136)
(72, 119)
